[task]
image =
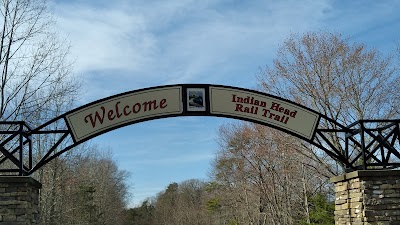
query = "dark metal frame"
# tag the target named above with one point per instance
(365, 144)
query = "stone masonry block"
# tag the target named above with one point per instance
(19, 201)
(355, 185)
(368, 198)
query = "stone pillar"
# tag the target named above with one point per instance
(367, 198)
(19, 201)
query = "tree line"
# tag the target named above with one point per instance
(257, 178)
(84, 188)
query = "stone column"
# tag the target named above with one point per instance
(19, 201)
(367, 198)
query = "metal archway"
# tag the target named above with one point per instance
(365, 144)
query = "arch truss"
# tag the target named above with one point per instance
(363, 145)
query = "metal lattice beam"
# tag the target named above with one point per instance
(365, 144)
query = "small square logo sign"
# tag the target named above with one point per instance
(196, 99)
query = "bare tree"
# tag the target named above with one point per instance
(36, 82)
(84, 188)
(182, 204)
(33, 61)
(346, 82)
(37, 85)
(262, 175)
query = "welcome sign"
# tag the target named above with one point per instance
(190, 100)
(124, 109)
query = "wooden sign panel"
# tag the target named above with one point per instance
(124, 109)
(263, 108)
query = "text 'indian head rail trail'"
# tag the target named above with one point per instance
(268, 112)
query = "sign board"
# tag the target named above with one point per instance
(124, 109)
(141, 105)
(190, 100)
(263, 108)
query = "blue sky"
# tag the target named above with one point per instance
(124, 45)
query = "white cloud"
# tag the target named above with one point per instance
(105, 39)
(228, 38)
(166, 42)
(187, 41)
(369, 22)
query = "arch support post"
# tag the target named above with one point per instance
(19, 201)
(367, 198)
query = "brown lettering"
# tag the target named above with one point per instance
(117, 110)
(147, 105)
(97, 116)
(239, 108)
(163, 103)
(271, 115)
(275, 106)
(110, 115)
(138, 106)
(126, 113)
(233, 98)
(265, 112)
